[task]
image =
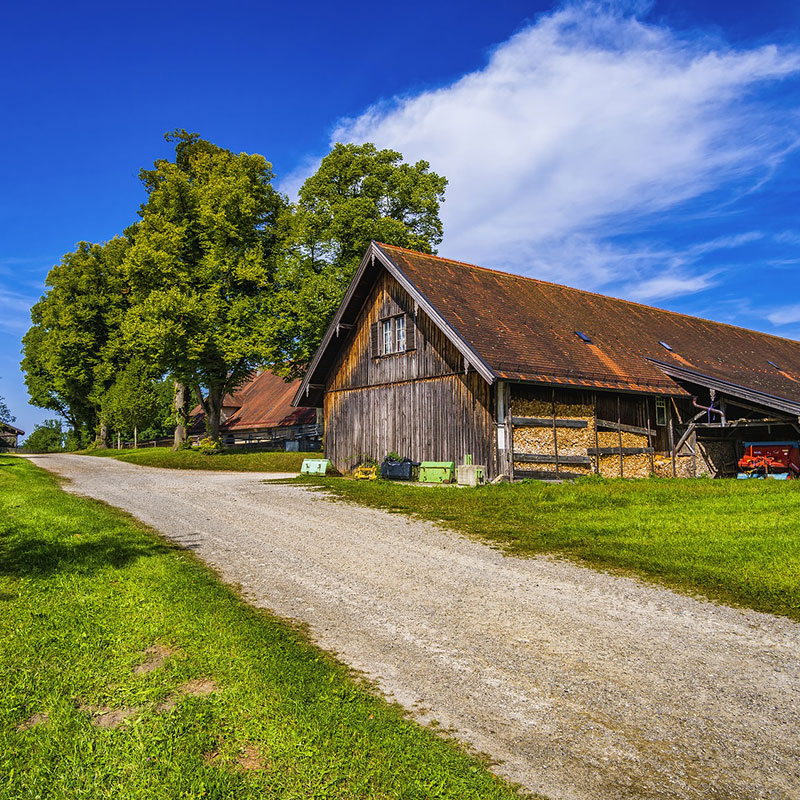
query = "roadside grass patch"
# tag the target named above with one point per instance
(734, 541)
(278, 461)
(233, 703)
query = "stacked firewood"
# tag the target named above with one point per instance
(578, 441)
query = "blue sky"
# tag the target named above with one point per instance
(645, 150)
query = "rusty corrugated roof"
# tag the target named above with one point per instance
(525, 329)
(263, 402)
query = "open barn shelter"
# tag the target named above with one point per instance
(436, 359)
(260, 413)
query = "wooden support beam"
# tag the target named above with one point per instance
(555, 435)
(596, 437)
(735, 401)
(743, 423)
(649, 436)
(607, 424)
(686, 434)
(546, 422)
(619, 432)
(671, 430)
(549, 458)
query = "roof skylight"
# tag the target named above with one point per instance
(666, 346)
(773, 364)
(583, 337)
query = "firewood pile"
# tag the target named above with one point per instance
(540, 440)
(715, 458)
(578, 441)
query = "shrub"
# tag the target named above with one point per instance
(208, 447)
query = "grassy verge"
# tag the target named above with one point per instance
(127, 670)
(191, 459)
(736, 541)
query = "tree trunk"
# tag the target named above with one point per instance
(181, 407)
(214, 411)
(119, 441)
(101, 440)
(135, 437)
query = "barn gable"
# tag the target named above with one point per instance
(374, 395)
(375, 262)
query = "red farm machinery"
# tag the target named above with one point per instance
(779, 460)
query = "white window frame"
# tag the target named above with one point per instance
(387, 338)
(400, 334)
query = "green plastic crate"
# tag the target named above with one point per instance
(437, 471)
(314, 466)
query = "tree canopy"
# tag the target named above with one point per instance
(48, 437)
(358, 194)
(201, 267)
(220, 276)
(72, 350)
(5, 413)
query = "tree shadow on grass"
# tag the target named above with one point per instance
(37, 557)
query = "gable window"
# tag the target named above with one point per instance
(392, 335)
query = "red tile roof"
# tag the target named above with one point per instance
(263, 402)
(525, 329)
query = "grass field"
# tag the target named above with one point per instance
(127, 670)
(736, 541)
(191, 459)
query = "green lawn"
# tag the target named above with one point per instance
(736, 541)
(191, 459)
(251, 709)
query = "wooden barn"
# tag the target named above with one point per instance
(260, 413)
(9, 436)
(437, 359)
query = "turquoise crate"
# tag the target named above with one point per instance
(437, 471)
(315, 466)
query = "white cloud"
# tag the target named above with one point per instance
(670, 285)
(786, 315)
(15, 311)
(579, 127)
(291, 183)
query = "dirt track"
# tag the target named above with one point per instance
(584, 685)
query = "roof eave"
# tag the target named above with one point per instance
(735, 390)
(461, 344)
(303, 390)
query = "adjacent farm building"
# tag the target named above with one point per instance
(9, 436)
(260, 413)
(437, 359)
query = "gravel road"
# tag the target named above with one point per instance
(583, 685)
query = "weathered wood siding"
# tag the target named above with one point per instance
(421, 403)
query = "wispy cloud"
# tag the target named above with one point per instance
(581, 127)
(15, 311)
(786, 315)
(666, 286)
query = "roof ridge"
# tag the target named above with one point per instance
(516, 276)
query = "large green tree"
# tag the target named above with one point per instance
(358, 194)
(134, 402)
(201, 268)
(49, 437)
(72, 352)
